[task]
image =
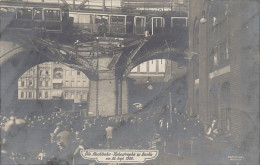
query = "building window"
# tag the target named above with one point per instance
(79, 84)
(57, 73)
(83, 75)
(30, 83)
(67, 73)
(215, 60)
(66, 94)
(22, 83)
(30, 95)
(214, 21)
(46, 94)
(47, 72)
(40, 72)
(72, 83)
(66, 83)
(46, 83)
(222, 55)
(57, 86)
(152, 66)
(143, 67)
(227, 49)
(78, 95)
(162, 65)
(72, 95)
(215, 56)
(40, 94)
(227, 55)
(78, 72)
(40, 83)
(22, 94)
(84, 83)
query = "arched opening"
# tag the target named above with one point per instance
(50, 87)
(225, 107)
(152, 85)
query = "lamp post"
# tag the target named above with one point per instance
(203, 69)
(203, 19)
(170, 103)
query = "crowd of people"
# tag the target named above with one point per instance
(57, 136)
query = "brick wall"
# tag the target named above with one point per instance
(242, 28)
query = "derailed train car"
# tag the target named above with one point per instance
(121, 24)
(57, 18)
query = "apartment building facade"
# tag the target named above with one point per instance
(51, 80)
(224, 67)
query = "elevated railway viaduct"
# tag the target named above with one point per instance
(104, 49)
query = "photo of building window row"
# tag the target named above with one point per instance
(50, 80)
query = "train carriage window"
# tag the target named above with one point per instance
(117, 20)
(75, 17)
(85, 18)
(7, 11)
(65, 14)
(129, 20)
(57, 73)
(139, 25)
(37, 14)
(24, 13)
(101, 19)
(140, 21)
(157, 24)
(129, 24)
(52, 15)
(179, 22)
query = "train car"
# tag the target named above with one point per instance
(181, 22)
(101, 23)
(153, 25)
(34, 17)
(118, 24)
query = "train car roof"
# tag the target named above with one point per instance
(32, 4)
(172, 14)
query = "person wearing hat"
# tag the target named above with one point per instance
(109, 135)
